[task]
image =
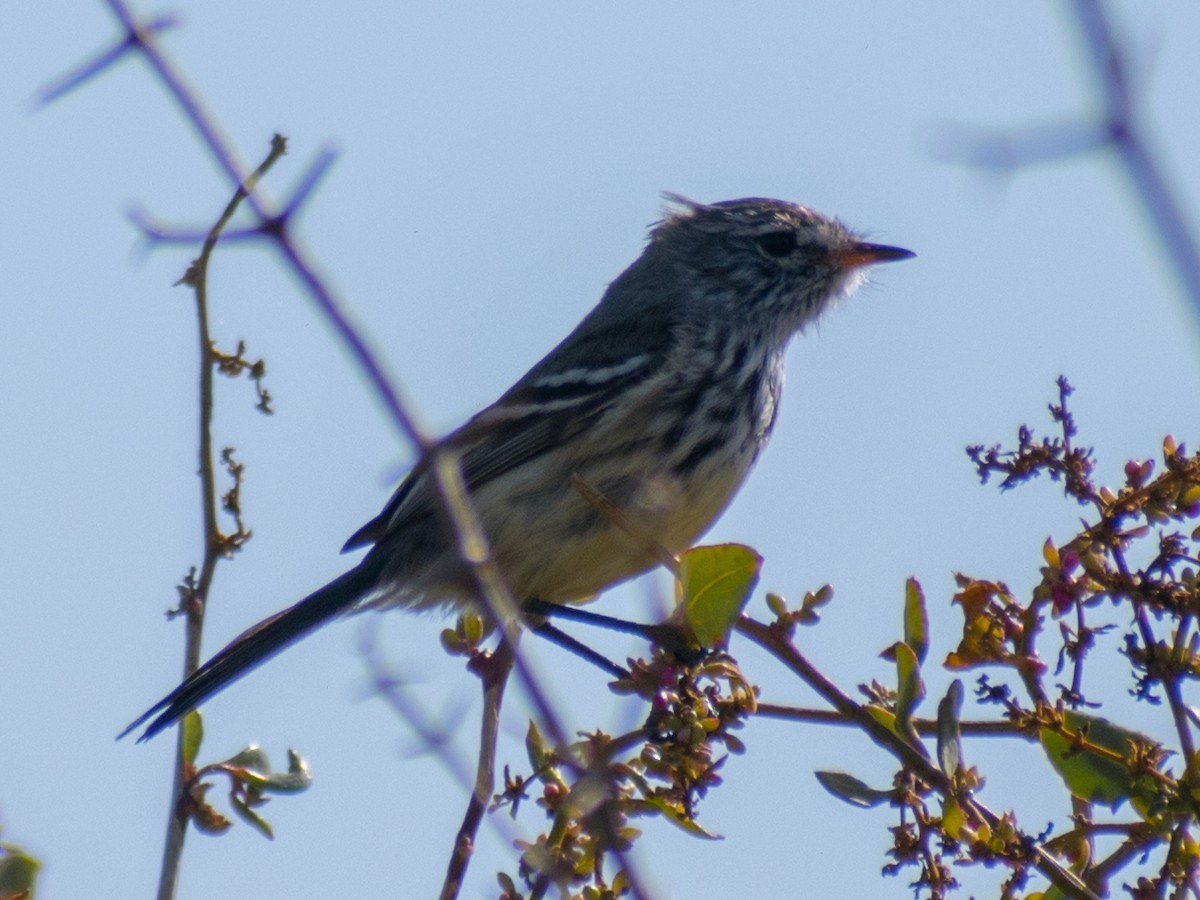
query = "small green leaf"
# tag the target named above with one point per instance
(253, 758)
(916, 620)
(910, 690)
(248, 815)
(1091, 775)
(676, 815)
(882, 715)
(193, 735)
(716, 584)
(535, 747)
(953, 819)
(949, 738)
(297, 778)
(846, 787)
(18, 871)
(810, 608)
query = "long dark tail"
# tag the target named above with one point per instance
(255, 646)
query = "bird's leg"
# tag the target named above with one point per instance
(575, 614)
(666, 635)
(557, 636)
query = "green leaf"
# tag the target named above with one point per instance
(242, 808)
(18, 871)
(297, 778)
(535, 747)
(846, 787)
(954, 820)
(884, 717)
(715, 584)
(910, 690)
(253, 758)
(810, 608)
(676, 815)
(949, 739)
(1091, 775)
(193, 735)
(252, 766)
(916, 620)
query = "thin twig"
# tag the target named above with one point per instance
(493, 672)
(195, 597)
(927, 727)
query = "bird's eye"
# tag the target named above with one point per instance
(777, 244)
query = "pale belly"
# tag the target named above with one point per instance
(584, 560)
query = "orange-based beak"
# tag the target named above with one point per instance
(862, 254)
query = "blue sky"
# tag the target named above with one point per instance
(498, 165)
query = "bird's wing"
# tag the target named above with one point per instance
(554, 402)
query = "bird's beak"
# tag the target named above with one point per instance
(855, 256)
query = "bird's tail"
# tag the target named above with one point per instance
(255, 646)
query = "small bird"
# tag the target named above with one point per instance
(660, 400)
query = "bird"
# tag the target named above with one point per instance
(660, 400)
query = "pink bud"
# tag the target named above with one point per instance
(1137, 471)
